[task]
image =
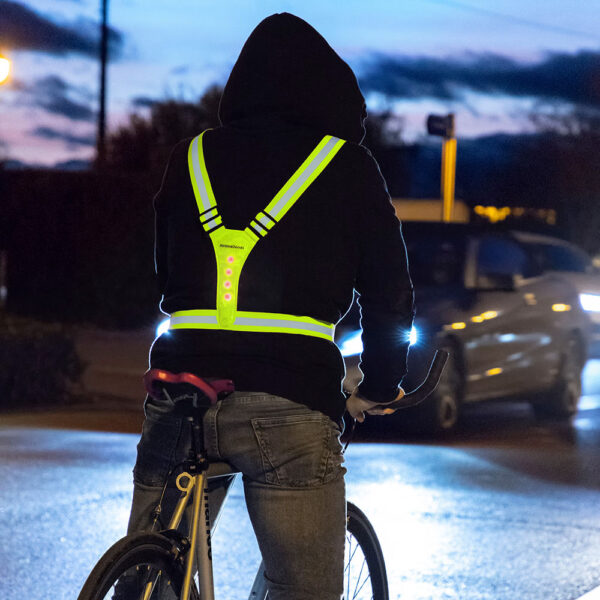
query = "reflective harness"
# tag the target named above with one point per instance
(232, 247)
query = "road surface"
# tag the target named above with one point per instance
(508, 510)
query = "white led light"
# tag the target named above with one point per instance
(413, 336)
(590, 302)
(351, 345)
(163, 327)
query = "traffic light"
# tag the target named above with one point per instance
(442, 126)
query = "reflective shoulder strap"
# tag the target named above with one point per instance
(205, 199)
(296, 185)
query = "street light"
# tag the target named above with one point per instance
(4, 69)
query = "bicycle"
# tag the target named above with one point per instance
(168, 565)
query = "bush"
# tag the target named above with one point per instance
(39, 363)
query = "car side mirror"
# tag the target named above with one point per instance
(496, 282)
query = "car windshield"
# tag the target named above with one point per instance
(434, 259)
(563, 258)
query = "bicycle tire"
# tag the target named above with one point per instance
(361, 535)
(121, 563)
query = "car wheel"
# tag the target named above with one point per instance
(562, 401)
(440, 413)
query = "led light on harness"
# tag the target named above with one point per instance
(230, 259)
(228, 272)
(227, 284)
(227, 297)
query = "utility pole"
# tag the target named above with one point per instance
(444, 127)
(101, 138)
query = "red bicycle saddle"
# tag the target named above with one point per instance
(211, 388)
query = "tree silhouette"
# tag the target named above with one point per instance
(566, 164)
(144, 143)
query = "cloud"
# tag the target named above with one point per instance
(48, 133)
(22, 28)
(55, 95)
(571, 78)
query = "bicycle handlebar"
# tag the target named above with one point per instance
(429, 384)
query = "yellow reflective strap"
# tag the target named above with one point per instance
(194, 319)
(264, 220)
(310, 169)
(251, 233)
(253, 322)
(203, 192)
(197, 312)
(212, 223)
(282, 317)
(205, 177)
(288, 184)
(281, 329)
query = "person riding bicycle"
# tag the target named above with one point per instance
(286, 167)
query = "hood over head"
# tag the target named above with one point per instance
(287, 70)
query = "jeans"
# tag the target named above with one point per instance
(291, 461)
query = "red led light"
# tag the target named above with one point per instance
(230, 259)
(227, 297)
(228, 272)
(228, 284)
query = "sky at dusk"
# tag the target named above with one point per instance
(490, 63)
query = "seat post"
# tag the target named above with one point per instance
(197, 449)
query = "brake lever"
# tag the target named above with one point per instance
(420, 393)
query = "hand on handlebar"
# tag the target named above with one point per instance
(357, 406)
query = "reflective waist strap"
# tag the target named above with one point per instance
(253, 321)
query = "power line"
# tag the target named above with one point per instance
(517, 20)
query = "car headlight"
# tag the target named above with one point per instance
(163, 327)
(351, 344)
(590, 302)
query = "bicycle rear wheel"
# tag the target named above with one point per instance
(139, 566)
(365, 577)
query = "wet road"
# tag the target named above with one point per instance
(510, 509)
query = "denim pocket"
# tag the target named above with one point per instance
(296, 450)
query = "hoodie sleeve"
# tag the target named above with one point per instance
(386, 292)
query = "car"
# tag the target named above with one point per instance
(513, 330)
(575, 265)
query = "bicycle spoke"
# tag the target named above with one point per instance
(355, 584)
(358, 581)
(349, 540)
(143, 578)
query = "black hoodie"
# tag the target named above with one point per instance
(286, 91)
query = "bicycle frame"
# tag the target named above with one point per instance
(194, 489)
